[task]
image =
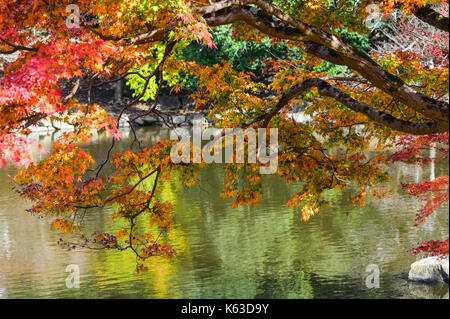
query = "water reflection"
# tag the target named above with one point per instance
(247, 252)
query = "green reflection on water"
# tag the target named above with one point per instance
(262, 251)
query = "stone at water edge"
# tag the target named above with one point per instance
(431, 269)
(124, 121)
(146, 121)
(178, 119)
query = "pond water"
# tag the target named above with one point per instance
(262, 251)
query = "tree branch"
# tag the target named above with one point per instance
(325, 89)
(274, 22)
(15, 47)
(330, 48)
(432, 17)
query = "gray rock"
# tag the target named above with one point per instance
(196, 119)
(139, 121)
(178, 119)
(299, 117)
(150, 120)
(146, 120)
(185, 124)
(431, 269)
(124, 121)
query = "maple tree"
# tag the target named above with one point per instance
(391, 97)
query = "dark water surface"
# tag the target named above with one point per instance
(263, 251)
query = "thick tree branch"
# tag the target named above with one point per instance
(327, 47)
(154, 35)
(15, 47)
(325, 89)
(430, 16)
(274, 22)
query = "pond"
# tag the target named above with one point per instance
(262, 251)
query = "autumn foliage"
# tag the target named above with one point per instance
(389, 100)
(434, 193)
